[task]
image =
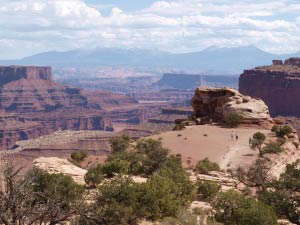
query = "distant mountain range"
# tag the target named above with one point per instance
(211, 60)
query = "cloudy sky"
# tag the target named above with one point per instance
(32, 26)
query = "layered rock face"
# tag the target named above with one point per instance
(216, 104)
(33, 104)
(278, 85)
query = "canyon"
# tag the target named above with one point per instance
(33, 104)
(278, 85)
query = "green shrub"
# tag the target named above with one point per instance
(281, 131)
(94, 176)
(116, 166)
(233, 208)
(79, 156)
(205, 165)
(119, 144)
(208, 189)
(273, 147)
(283, 193)
(233, 119)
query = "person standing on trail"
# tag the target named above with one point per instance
(232, 135)
(236, 136)
(250, 141)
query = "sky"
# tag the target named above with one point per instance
(28, 27)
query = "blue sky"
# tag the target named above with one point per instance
(32, 26)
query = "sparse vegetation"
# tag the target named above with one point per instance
(179, 126)
(233, 208)
(282, 131)
(233, 119)
(119, 144)
(204, 166)
(94, 176)
(272, 147)
(257, 141)
(283, 193)
(78, 156)
(208, 189)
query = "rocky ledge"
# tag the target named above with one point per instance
(216, 103)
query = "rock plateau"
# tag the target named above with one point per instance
(278, 85)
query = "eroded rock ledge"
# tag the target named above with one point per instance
(217, 103)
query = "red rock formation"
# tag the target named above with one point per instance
(33, 104)
(277, 85)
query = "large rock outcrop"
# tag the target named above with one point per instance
(217, 103)
(278, 85)
(57, 165)
(33, 104)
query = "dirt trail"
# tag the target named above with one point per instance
(214, 142)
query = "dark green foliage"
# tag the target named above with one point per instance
(119, 144)
(233, 208)
(272, 147)
(94, 176)
(118, 202)
(79, 156)
(154, 155)
(257, 141)
(258, 175)
(281, 131)
(283, 194)
(132, 157)
(167, 191)
(116, 166)
(208, 189)
(205, 165)
(38, 198)
(233, 119)
(56, 187)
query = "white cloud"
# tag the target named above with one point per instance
(30, 26)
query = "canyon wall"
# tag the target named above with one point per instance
(33, 104)
(278, 85)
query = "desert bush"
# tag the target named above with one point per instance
(94, 176)
(281, 131)
(283, 193)
(208, 189)
(205, 165)
(233, 208)
(272, 147)
(78, 156)
(258, 140)
(233, 119)
(114, 167)
(38, 198)
(119, 144)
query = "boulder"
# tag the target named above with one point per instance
(217, 103)
(59, 165)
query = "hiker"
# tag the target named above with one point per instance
(250, 141)
(237, 136)
(232, 135)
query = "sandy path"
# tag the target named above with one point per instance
(198, 142)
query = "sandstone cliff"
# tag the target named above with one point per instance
(33, 104)
(216, 104)
(278, 85)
